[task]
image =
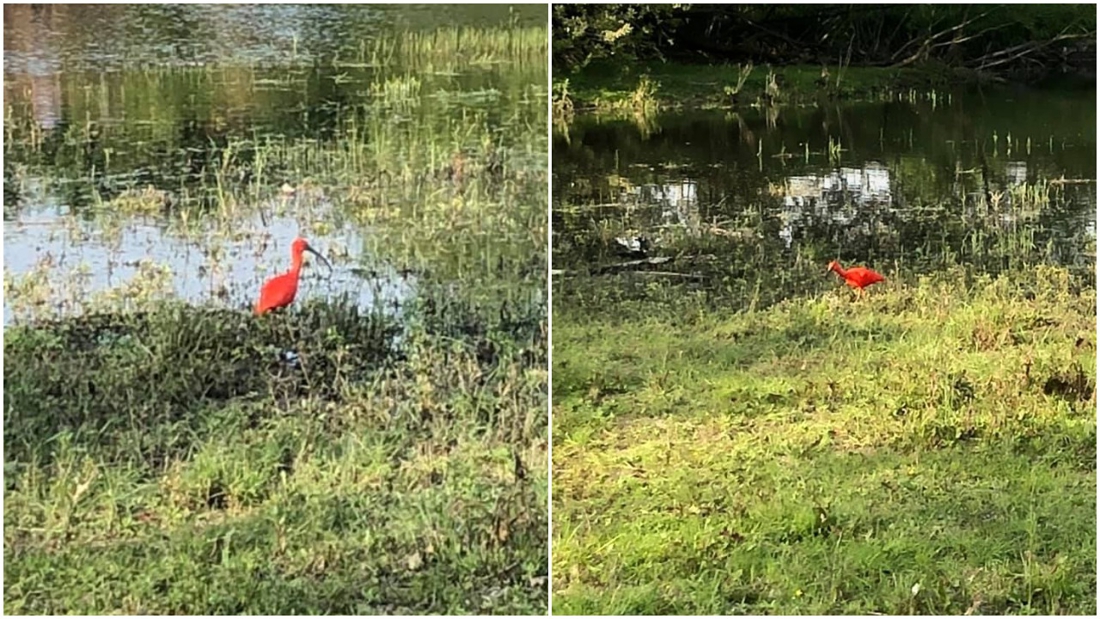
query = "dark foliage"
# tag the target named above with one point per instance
(156, 368)
(1032, 40)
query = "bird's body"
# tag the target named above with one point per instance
(856, 277)
(279, 291)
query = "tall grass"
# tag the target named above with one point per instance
(452, 49)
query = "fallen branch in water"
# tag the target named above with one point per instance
(630, 264)
(694, 276)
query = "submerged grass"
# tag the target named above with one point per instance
(930, 449)
(170, 458)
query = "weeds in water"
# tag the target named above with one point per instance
(744, 71)
(640, 106)
(563, 107)
(835, 150)
(772, 94)
(642, 100)
(454, 49)
(601, 86)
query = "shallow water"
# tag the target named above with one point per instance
(984, 179)
(82, 261)
(177, 103)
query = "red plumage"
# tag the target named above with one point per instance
(856, 277)
(280, 290)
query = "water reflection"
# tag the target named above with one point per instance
(145, 145)
(917, 184)
(116, 37)
(40, 76)
(678, 201)
(825, 195)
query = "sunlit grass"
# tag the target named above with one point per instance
(451, 49)
(153, 458)
(929, 449)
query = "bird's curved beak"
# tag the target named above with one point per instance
(316, 253)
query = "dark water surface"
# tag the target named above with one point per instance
(178, 149)
(763, 198)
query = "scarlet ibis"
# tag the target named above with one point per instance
(279, 291)
(856, 277)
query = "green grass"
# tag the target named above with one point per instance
(930, 449)
(168, 462)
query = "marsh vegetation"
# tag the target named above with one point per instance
(380, 446)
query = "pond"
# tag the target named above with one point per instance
(752, 204)
(176, 151)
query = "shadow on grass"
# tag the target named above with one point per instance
(107, 376)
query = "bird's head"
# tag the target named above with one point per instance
(301, 245)
(834, 265)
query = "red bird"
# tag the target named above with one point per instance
(856, 277)
(279, 291)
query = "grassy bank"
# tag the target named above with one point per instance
(172, 462)
(930, 449)
(607, 87)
